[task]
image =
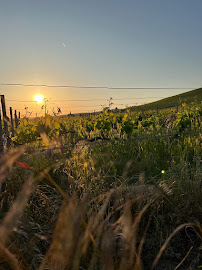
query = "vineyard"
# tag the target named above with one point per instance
(103, 191)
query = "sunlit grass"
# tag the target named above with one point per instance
(76, 197)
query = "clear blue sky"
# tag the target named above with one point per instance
(121, 43)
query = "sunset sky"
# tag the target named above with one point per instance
(115, 43)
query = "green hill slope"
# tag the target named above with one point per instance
(188, 97)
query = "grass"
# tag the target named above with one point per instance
(194, 96)
(98, 225)
(105, 205)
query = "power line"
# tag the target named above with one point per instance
(71, 107)
(83, 100)
(81, 106)
(84, 106)
(15, 100)
(102, 99)
(91, 87)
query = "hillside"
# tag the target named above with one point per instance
(188, 97)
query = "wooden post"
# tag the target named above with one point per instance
(1, 131)
(3, 104)
(1, 135)
(19, 115)
(16, 119)
(12, 124)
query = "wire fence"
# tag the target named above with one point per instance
(82, 143)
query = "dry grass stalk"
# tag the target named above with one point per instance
(7, 258)
(46, 175)
(66, 237)
(16, 210)
(129, 227)
(8, 160)
(107, 250)
(168, 240)
(94, 238)
(178, 266)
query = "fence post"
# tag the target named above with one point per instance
(12, 124)
(1, 135)
(19, 116)
(16, 119)
(3, 104)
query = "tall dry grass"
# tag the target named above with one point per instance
(91, 232)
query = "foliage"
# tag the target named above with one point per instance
(109, 125)
(78, 192)
(193, 96)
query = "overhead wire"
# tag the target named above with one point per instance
(91, 87)
(84, 100)
(97, 105)
(90, 100)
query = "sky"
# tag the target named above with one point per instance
(113, 43)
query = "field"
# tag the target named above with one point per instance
(107, 191)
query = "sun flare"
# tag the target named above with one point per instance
(39, 98)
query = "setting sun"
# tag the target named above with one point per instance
(39, 98)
